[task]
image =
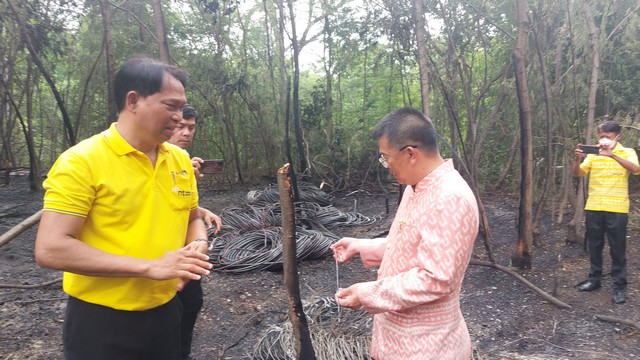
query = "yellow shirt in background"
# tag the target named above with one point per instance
(130, 208)
(608, 180)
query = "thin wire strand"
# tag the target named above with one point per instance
(337, 287)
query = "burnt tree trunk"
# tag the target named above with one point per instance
(522, 256)
(302, 337)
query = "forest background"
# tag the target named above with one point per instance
(512, 86)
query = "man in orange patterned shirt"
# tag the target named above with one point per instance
(607, 207)
(416, 298)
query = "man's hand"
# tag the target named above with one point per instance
(196, 163)
(210, 219)
(579, 153)
(345, 248)
(349, 297)
(606, 150)
(186, 263)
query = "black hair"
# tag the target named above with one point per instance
(188, 112)
(610, 126)
(144, 76)
(407, 126)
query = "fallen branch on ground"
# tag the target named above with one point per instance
(20, 228)
(618, 320)
(514, 274)
(33, 286)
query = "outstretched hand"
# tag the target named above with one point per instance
(345, 248)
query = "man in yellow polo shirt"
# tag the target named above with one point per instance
(117, 210)
(607, 207)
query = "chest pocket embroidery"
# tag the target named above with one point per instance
(180, 186)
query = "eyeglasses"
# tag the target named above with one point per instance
(385, 160)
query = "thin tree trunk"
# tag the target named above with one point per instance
(548, 179)
(108, 49)
(70, 134)
(304, 166)
(302, 337)
(270, 62)
(507, 165)
(35, 181)
(6, 124)
(575, 226)
(493, 118)
(282, 62)
(226, 119)
(522, 256)
(421, 37)
(28, 136)
(161, 33)
(328, 68)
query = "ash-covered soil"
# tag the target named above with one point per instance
(506, 319)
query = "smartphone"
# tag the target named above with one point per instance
(590, 149)
(212, 166)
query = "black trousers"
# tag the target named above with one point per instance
(191, 298)
(98, 332)
(614, 225)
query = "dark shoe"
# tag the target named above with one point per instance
(618, 297)
(589, 285)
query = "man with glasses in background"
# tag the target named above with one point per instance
(416, 298)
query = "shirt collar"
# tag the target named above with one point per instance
(120, 146)
(433, 176)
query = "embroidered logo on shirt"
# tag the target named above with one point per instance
(176, 188)
(402, 224)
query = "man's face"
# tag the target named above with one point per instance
(183, 135)
(396, 160)
(161, 112)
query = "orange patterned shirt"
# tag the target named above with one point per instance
(416, 298)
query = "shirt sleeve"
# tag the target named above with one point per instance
(632, 156)
(586, 163)
(69, 189)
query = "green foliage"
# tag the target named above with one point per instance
(231, 52)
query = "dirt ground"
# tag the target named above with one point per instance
(506, 319)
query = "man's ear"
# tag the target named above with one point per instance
(411, 151)
(132, 100)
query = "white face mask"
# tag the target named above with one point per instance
(607, 142)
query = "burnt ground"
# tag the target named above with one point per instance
(506, 319)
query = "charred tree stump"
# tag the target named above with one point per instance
(302, 337)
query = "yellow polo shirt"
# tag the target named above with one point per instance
(130, 208)
(609, 181)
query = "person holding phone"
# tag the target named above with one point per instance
(607, 207)
(191, 295)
